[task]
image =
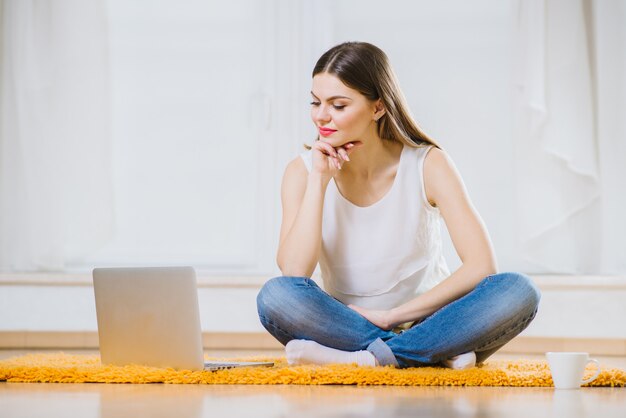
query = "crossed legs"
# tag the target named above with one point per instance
(498, 309)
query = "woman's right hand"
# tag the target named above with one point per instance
(328, 160)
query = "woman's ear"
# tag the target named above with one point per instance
(379, 110)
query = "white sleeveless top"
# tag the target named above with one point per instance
(385, 254)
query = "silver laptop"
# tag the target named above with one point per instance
(150, 316)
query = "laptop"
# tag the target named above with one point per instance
(150, 316)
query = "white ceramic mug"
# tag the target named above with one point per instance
(568, 368)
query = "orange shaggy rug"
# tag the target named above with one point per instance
(66, 368)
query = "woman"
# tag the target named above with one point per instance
(365, 201)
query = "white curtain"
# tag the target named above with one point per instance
(609, 22)
(55, 175)
(569, 141)
(57, 147)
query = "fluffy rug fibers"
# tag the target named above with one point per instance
(80, 368)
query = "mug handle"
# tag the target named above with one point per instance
(592, 378)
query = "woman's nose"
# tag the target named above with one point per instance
(322, 115)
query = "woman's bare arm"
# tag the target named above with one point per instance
(302, 196)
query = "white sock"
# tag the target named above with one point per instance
(305, 351)
(462, 361)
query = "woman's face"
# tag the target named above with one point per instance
(340, 113)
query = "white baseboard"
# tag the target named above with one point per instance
(58, 310)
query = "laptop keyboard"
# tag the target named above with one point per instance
(220, 365)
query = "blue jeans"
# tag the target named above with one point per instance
(485, 319)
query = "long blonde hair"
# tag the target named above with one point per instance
(366, 69)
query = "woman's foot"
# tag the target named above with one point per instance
(462, 361)
(307, 352)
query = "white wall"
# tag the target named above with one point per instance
(210, 102)
(570, 307)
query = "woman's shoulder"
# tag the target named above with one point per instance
(437, 159)
(428, 154)
(299, 166)
(294, 179)
(440, 175)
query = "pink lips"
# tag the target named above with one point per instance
(326, 131)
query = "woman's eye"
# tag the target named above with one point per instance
(315, 103)
(339, 107)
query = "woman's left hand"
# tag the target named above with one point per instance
(378, 318)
